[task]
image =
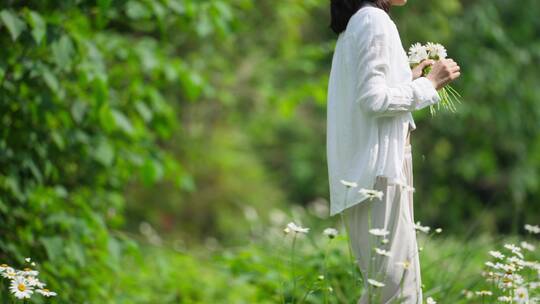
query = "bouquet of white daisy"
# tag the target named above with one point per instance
(434, 51)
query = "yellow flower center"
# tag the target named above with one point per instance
(27, 269)
(21, 287)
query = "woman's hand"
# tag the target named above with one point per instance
(417, 70)
(443, 72)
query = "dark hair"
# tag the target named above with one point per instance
(341, 11)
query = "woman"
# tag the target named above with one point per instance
(371, 94)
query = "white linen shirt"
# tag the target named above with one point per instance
(371, 95)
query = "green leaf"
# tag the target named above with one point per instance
(53, 246)
(122, 122)
(104, 153)
(13, 23)
(63, 51)
(39, 27)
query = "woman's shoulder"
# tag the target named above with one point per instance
(369, 19)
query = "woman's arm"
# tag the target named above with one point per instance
(374, 95)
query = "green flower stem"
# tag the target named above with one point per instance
(293, 268)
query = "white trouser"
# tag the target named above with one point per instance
(395, 214)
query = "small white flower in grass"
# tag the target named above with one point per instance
(504, 299)
(349, 184)
(3, 267)
(330, 232)
(405, 264)
(320, 278)
(46, 293)
(515, 249)
(496, 254)
(430, 300)
(28, 260)
(527, 246)
(28, 272)
(375, 283)
(532, 229)
(20, 288)
(467, 293)
(521, 295)
(298, 229)
(379, 232)
(438, 230)
(382, 252)
(9, 273)
(34, 282)
(371, 194)
(424, 229)
(483, 293)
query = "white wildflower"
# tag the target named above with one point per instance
(532, 229)
(417, 53)
(436, 51)
(424, 229)
(20, 288)
(515, 249)
(521, 295)
(496, 254)
(375, 283)
(379, 232)
(438, 230)
(330, 232)
(45, 292)
(9, 273)
(527, 246)
(349, 184)
(430, 300)
(382, 252)
(295, 228)
(483, 293)
(371, 193)
(34, 282)
(28, 272)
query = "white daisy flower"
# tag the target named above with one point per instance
(532, 229)
(430, 300)
(424, 229)
(3, 267)
(34, 282)
(436, 51)
(417, 53)
(483, 293)
(28, 272)
(379, 232)
(521, 295)
(9, 273)
(20, 288)
(349, 184)
(371, 193)
(515, 249)
(375, 283)
(496, 254)
(330, 232)
(382, 252)
(295, 228)
(45, 292)
(527, 246)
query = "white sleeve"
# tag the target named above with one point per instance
(374, 95)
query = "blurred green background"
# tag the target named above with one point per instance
(181, 123)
